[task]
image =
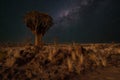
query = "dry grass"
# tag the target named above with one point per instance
(57, 60)
(69, 63)
(94, 58)
(81, 59)
(2, 55)
(73, 56)
(76, 56)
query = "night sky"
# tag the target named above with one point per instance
(74, 20)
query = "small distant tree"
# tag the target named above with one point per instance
(38, 23)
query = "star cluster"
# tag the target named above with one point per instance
(74, 20)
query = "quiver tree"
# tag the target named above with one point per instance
(38, 23)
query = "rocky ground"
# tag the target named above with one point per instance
(61, 62)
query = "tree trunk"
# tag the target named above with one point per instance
(38, 38)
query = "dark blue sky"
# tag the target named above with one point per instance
(75, 20)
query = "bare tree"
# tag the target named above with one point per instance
(38, 23)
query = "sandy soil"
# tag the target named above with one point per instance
(108, 73)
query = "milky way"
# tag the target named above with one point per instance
(74, 20)
(73, 13)
(86, 21)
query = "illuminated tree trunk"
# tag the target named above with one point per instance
(38, 38)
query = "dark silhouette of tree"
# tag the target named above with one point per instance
(38, 23)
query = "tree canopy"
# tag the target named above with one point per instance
(39, 23)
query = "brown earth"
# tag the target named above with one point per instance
(61, 62)
(108, 73)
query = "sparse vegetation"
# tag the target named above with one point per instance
(53, 62)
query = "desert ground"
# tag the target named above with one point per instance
(98, 61)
